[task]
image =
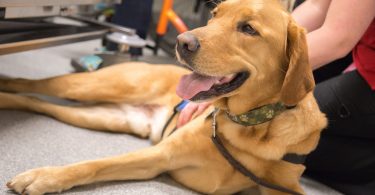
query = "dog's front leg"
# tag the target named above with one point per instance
(143, 164)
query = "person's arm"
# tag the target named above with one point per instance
(345, 24)
(311, 14)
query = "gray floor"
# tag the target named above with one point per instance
(29, 140)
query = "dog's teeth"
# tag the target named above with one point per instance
(230, 76)
(224, 79)
(218, 81)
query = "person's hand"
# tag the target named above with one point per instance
(190, 110)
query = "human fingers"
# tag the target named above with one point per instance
(186, 114)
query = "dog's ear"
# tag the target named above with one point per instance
(298, 80)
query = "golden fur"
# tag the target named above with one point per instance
(279, 71)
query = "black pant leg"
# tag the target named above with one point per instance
(345, 156)
(332, 69)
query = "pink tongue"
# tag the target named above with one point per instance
(190, 85)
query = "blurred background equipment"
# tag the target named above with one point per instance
(123, 26)
(134, 14)
(38, 8)
(173, 17)
(31, 24)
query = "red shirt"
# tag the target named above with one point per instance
(364, 55)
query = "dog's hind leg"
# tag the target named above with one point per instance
(134, 83)
(144, 164)
(104, 117)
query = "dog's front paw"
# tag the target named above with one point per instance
(40, 181)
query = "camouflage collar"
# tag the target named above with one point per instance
(258, 115)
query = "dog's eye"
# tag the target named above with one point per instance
(248, 29)
(213, 13)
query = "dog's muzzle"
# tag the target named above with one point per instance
(187, 46)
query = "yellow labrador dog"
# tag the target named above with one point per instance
(250, 61)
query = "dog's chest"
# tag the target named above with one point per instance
(149, 118)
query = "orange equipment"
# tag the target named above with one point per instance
(167, 14)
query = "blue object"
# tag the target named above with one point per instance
(100, 6)
(181, 105)
(90, 62)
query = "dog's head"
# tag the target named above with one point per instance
(250, 53)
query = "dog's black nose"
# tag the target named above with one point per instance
(187, 43)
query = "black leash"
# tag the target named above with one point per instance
(176, 109)
(242, 169)
(292, 158)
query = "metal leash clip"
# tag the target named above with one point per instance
(214, 125)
